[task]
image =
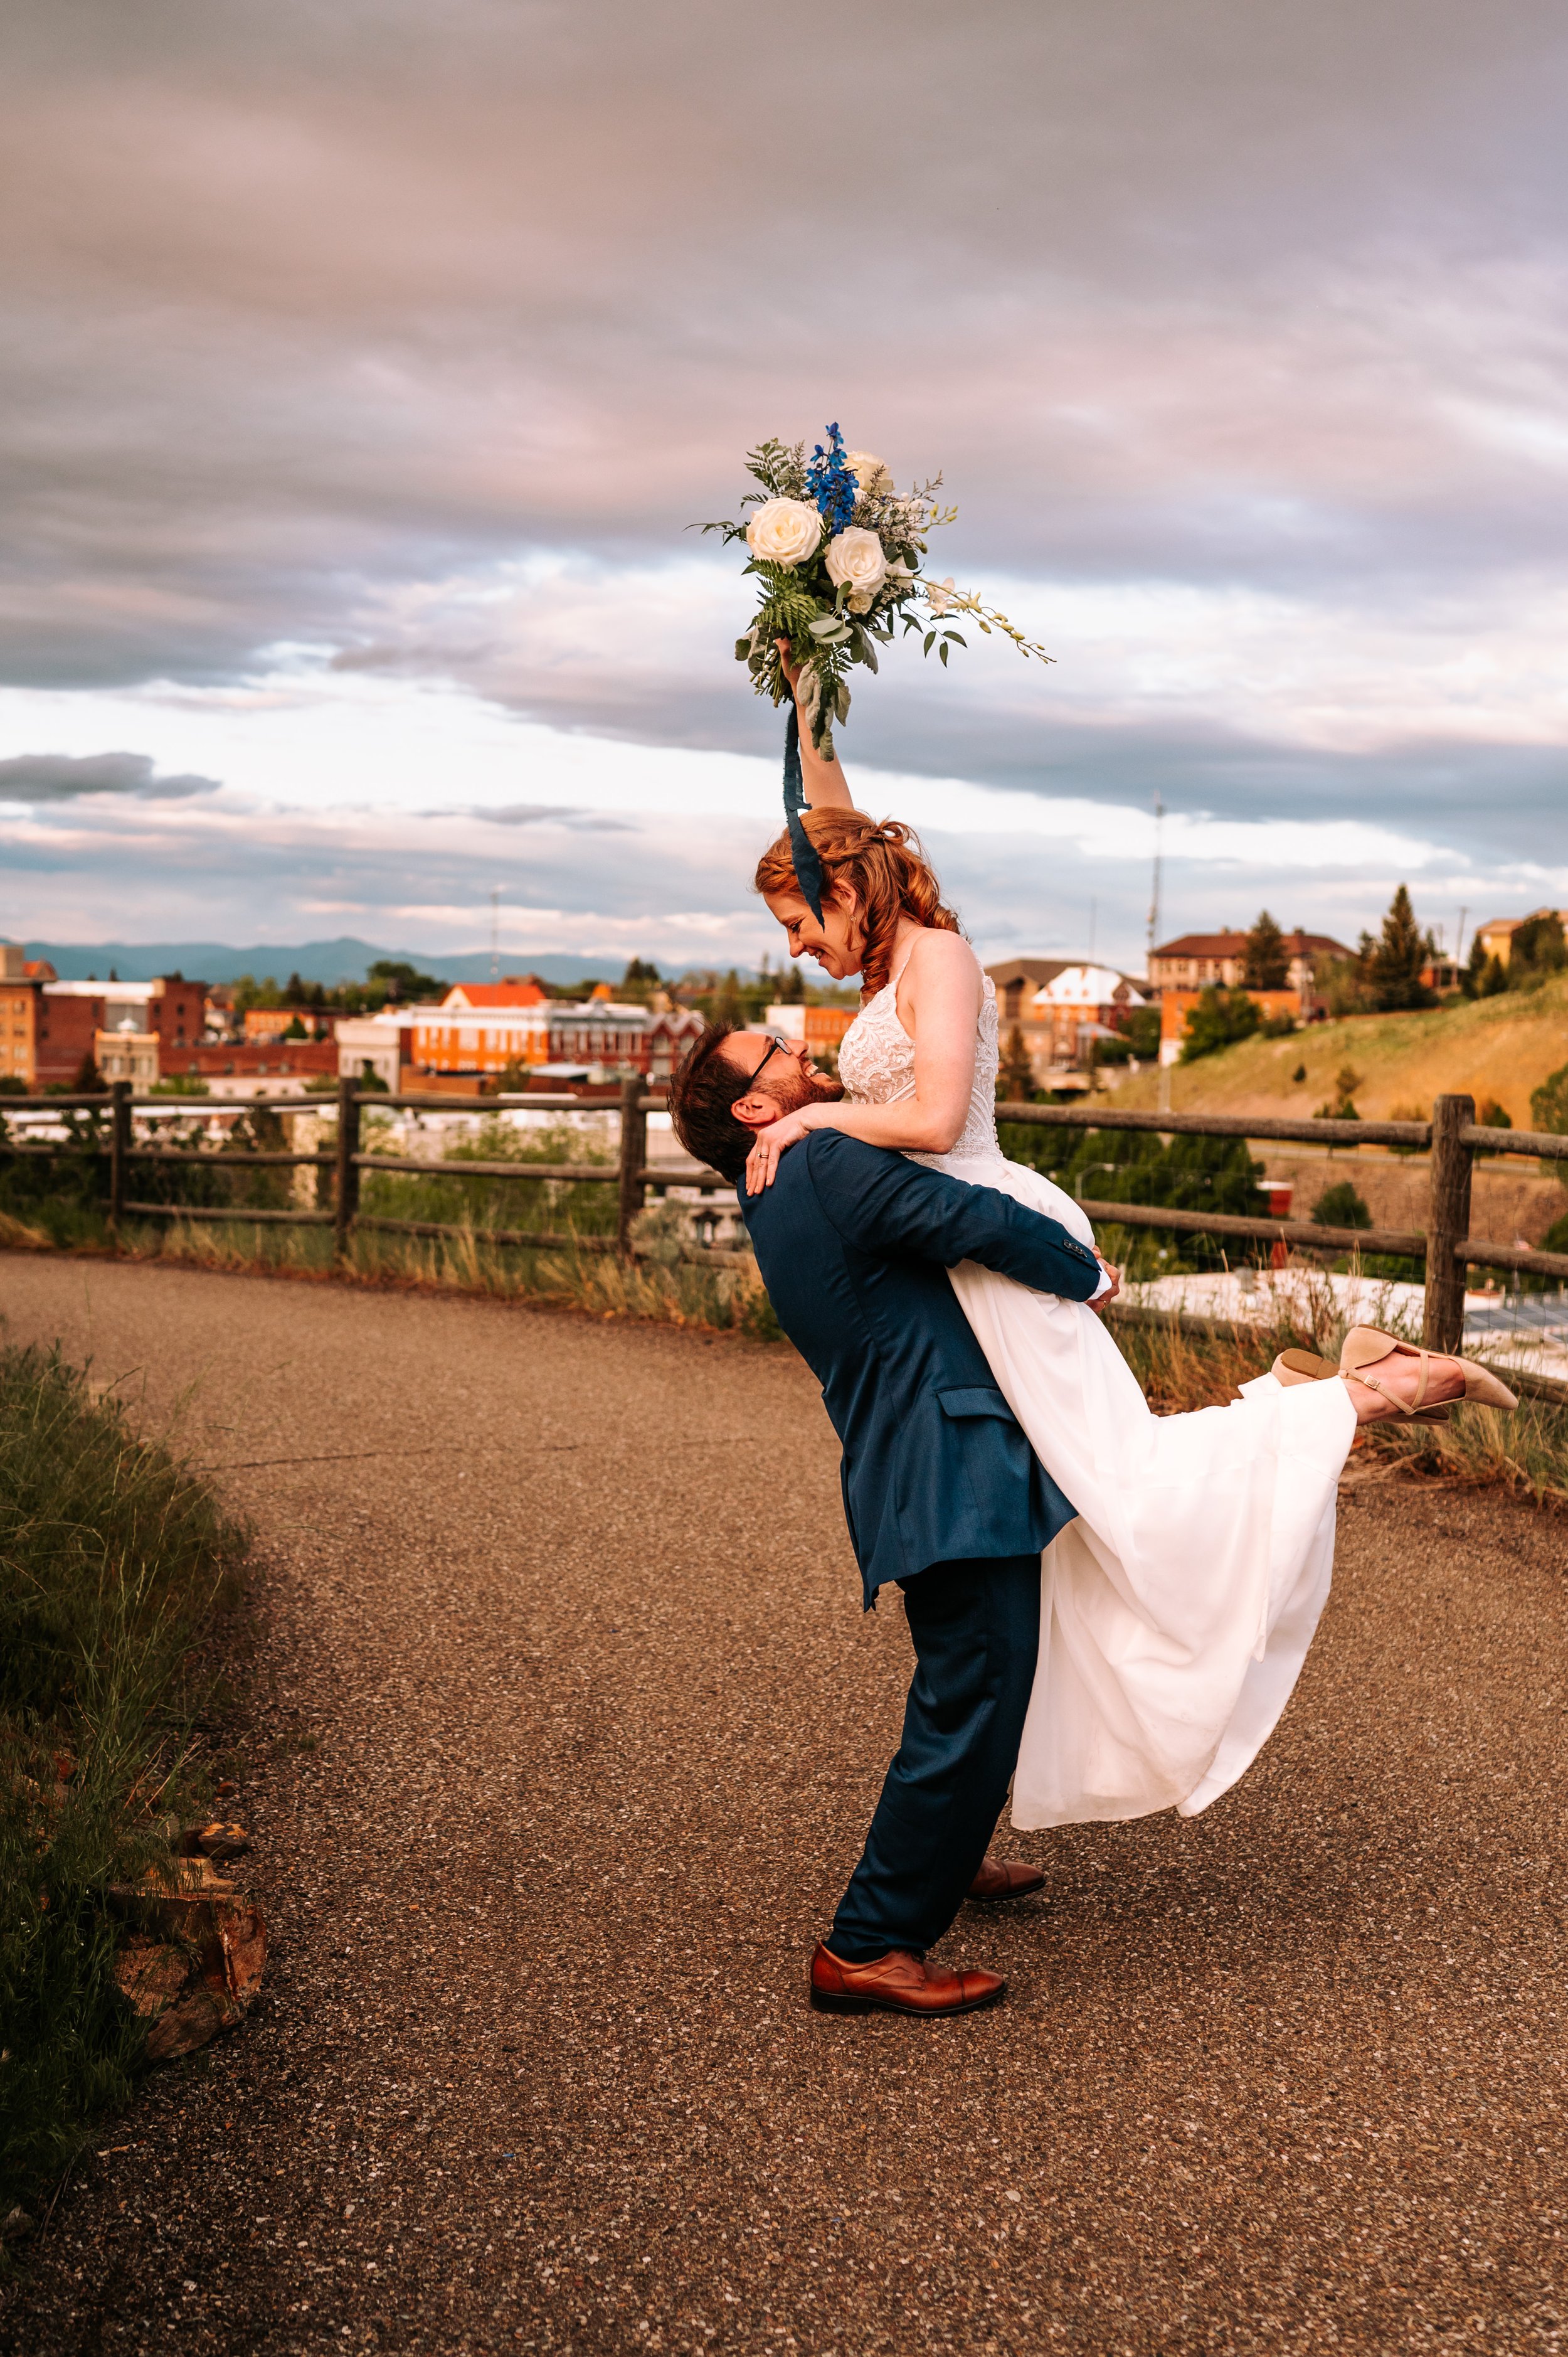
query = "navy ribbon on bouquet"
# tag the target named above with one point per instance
(802, 850)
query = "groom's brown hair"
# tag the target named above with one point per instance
(701, 1093)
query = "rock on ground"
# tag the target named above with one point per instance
(565, 1731)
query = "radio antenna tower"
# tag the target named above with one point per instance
(1155, 894)
(495, 933)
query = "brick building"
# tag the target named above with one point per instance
(820, 1028)
(252, 1067)
(277, 1022)
(22, 981)
(609, 1038)
(71, 1014)
(1207, 961)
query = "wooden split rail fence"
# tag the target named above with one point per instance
(348, 1160)
(1452, 1137)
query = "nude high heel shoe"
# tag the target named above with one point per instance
(1307, 1367)
(1302, 1367)
(1365, 1345)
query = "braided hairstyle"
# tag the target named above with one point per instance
(884, 866)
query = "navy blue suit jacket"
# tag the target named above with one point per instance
(855, 1244)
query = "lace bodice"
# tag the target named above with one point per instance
(876, 1065)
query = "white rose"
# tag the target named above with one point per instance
(938, 597)
(869, 471)
(856, 556)
(783, 531)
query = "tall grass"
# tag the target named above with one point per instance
(484, 1203)
(1180, 1369)
(688, 1293)
(113, 1558)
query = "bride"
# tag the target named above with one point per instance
(1177, 1610)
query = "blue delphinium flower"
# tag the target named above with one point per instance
(832, 482)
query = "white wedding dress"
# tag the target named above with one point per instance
(1177, 1610)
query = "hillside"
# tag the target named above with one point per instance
(1501, 1047)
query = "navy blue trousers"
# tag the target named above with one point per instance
(976, 1633)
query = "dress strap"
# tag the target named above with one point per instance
(896, 974)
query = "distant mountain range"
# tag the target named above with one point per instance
(344, 960)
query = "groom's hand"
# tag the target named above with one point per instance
(1105, 1299)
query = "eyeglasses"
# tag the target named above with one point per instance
(776, 1040)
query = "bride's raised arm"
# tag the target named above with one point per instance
(937, 1002)
(825, 783)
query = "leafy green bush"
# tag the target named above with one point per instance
(1341, 1106)
(63, 1192)
(1218, 1020)
(1340, 1205)
(1548, 1111)
(532, 1205)
(1119, 1166)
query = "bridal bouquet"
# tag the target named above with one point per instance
(838, 549)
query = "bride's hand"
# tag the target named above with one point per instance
(791, 669)
(762, 1162)
(1107, 1297)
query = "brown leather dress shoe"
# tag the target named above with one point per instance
(899, 1982)
(1004, 1878)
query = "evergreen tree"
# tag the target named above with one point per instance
(1397, 960)
(727, 1008)
(1267, 965)
(1015, 1079)
(1474, 968)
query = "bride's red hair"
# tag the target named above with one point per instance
(884, 865)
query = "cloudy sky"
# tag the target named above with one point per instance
(365, 362)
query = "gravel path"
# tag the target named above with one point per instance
(567, 1611)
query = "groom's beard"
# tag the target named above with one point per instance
(818, 1090)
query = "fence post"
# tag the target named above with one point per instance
(348, 1197)
(119, 1148)
(633, 1156)
(1447, 1223)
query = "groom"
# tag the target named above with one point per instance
(942, 1489)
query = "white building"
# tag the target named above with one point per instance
(127, 1054)
(376, 1046)
(1079, 1004)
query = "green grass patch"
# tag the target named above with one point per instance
(115, 1557)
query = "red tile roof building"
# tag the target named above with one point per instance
(1204, 960)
